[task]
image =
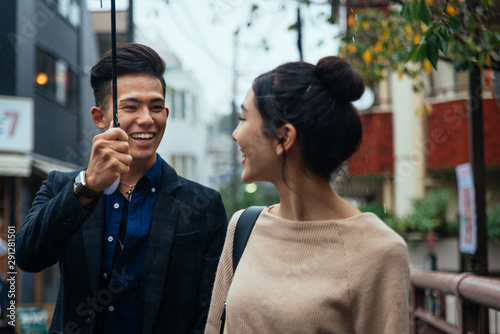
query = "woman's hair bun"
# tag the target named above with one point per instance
(339, 79)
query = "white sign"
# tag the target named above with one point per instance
(466, 209)
(16, 124)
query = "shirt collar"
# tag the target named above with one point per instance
(153, 175)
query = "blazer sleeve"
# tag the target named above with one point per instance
(215, 242)
(54, 218)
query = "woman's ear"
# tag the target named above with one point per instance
(288, 138)
(99, 118)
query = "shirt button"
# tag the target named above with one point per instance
(111, 308)
(110, 238)
(104, 275)
(153, 190)
(116, 206)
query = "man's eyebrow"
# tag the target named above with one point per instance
(158, 99)
(134, 99)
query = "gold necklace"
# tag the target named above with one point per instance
(129, 191)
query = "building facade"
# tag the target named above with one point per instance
(47, 48)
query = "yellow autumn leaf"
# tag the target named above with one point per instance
(430, 2)
(416, 39)
(352, 48)
(351, 21)
(408, 29)
(451, 10)
(397, 41)
(428, 108)
(378, 46)
(487, 60)
(421, 111)
(367, 56)
(427, 66)
(400, 76)
(386, 35)
(424, 28)
(366, 25)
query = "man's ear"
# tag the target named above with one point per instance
(288, 136)
(99, 118)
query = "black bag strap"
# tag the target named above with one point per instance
(242, 233)
(244, 227)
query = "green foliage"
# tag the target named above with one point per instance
(419, 34)
(429, 214)
(385, 216)
(265, 195)
(493, 221)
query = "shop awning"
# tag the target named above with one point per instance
(43, 165)
(15, 164)
(23, 165)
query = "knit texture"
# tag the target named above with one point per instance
(337, 276)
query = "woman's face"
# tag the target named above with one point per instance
(260, 161)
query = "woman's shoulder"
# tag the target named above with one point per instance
(372, 232)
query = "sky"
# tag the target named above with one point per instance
(201, 34)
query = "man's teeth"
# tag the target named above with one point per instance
(142, 136)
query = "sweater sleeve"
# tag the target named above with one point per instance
(223, 279)
(381, 301)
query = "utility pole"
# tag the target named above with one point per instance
(479, 261)
(299, 32)
(234, 123)
(130, 22)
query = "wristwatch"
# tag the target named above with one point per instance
(80, 187)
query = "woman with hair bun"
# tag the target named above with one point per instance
(313, 262)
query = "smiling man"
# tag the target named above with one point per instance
(141, 258)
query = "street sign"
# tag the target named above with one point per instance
(16, 124)
(466, 209)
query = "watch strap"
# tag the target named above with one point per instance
(80, 187)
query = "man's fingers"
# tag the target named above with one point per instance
(115, 134)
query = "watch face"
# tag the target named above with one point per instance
(77, 185)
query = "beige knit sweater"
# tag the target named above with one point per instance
(338, 276)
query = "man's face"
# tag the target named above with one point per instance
(141, 113)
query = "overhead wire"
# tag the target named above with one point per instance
(196, 38)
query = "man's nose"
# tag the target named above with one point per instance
(144, 116)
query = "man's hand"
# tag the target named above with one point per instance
(110, 157)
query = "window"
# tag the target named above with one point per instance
(185, 165)
(69, 9)
(54, 77)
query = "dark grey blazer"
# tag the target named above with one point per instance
(186, 239)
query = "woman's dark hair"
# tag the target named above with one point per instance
(316, 100)
(130, 58)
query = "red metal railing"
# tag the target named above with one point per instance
(474, 296)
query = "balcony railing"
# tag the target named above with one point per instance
(477, 301)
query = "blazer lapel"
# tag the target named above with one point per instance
(160, 241)
(92, 230)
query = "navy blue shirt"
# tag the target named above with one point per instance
(120, 283)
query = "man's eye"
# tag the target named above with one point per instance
(241, 119)
(157, 107)
(128, 107)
